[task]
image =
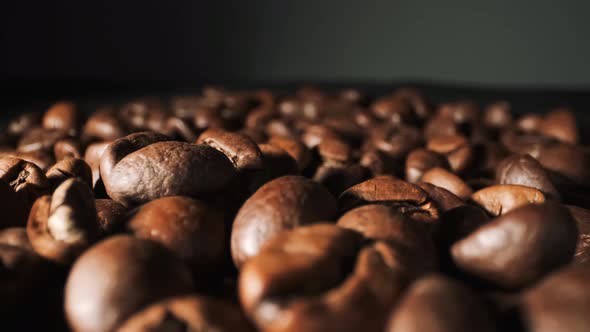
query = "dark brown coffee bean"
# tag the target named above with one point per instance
(295, 148)
(315, 134)
(569, 162)
(144, 114)
(560, 124)
(443, 199)
(110, 215)
(118, 277)
(582, 218)
(442, 178)
(440, 126)
(502, 198)
(394, 109)
(185, 107)
(239, 149)
(526, 171)
(67, 148)
(180, 128)
(498, 115)
(385, 223)
(62, 115)
(17, 237)
(188, 313)
(208, 117)
(28, 183)
(309, 280)
(103, 125)
(41, 159)
(456, 148)
(280, 204)
(186, 226)
(419, 161)
(559, 303)
(335, 150)
(66, 169)
(40, 139)
(63, 225)
(519, 247)
(140, 167)
(439, 304)
(406, 197)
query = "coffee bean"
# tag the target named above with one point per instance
(443, 199)
(519, 247)
(309, 280)
(498, 115)
(560, 124)
(118, 277)
(186, 226)
(63, 115)
(295, 148)
(456, 148)
(559, 303)
(582, 218)
(280, 204)
(64, 224)
(67, 148)
(526, 171)
(445, 179)
(502, 198)
(239, 149)
(141, 167)
(103, 125)
(419, 161)
(17, 237)
(69, 168)
(110, 215)
(436, 303)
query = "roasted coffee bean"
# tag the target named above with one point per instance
(143, 114)
(66, 169)
(385, 223)
(62, 115)
(559, 303)
(419, 161)
(530, 123)
(17, 237)
(239, 149)
(41, 159)
(526, 171)
(280, 204)
(519, 247)
(27, 182)
(188, 313)
(295, 148)
(40, 139)
(456, 148)
(338, 177)
(143, 166)
(502, 198)
(560, 124)
(318, 278)
(439, 304)
(395, 141)
(180, 128)
(103, 125)
(566, 163)
(408, 198)
(67, 148)
(118, 277)
(442, 178)
(315, 134)
(186, 226)
(64, 224)
(582, 218)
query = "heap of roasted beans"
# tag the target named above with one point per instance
(309, 211)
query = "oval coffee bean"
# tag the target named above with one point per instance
(281, 204)
(525, 171)
(187, 227)
(451, 182)
(439, 304)
(64, 224)
(419, 161)
(582, 218)
(519, 247)
(118, 277)
(239, 149)
(502, 198)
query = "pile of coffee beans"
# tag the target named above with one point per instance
(312, 210)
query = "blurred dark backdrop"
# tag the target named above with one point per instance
(515, 43)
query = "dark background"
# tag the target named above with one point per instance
(486, 49)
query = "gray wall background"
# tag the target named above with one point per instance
(514, 43)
